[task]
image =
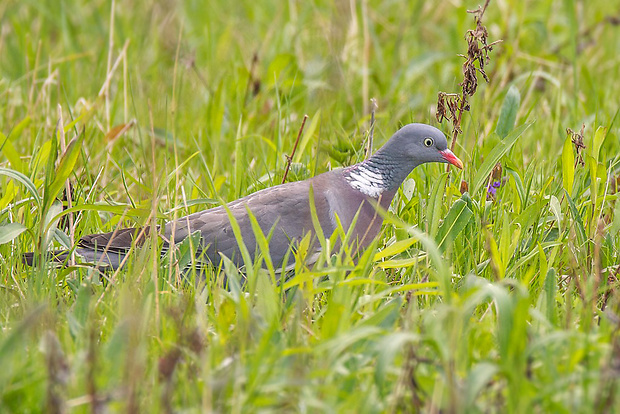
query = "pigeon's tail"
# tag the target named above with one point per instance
(104, 250)
(104, 260)
(59, 256)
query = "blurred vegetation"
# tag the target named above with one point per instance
(132, 113)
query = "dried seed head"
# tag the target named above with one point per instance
(577, 139)
(441, 107)
(450, 106)
(470, 81)
(497, 171)
(464, 187)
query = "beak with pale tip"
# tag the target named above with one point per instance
(451, 158)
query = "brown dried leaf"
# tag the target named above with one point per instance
(118, 130)
(464, 187)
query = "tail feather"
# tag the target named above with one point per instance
(103, 249)
(58, 256)
(108, 251)
(109, 259)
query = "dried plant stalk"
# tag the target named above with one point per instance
(289, 159)
(451, 106)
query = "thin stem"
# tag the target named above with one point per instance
(289, 159)
(371, 131)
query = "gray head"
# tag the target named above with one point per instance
(386, 169)
(419, 144)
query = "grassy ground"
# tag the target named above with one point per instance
(179, 103)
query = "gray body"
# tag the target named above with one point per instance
(284, 211)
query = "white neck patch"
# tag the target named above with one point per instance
(366, 181)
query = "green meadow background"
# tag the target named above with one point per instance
(135, 112)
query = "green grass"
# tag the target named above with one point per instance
(463, 304)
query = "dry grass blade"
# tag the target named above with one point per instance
(371, 130)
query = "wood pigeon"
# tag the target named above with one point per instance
(283, 212)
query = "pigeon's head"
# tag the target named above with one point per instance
(422, 143)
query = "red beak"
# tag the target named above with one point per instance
(451, 158)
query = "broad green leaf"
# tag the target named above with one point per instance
(315, 220)
(245, 254)
(284, 73)
(16, 175)
(518, 183)
(42, 156)
(400, 263)
(508, 113)
(365, 263)
(65, 167)
(597, 176)
(308, 133)
(408, 188)
(550, 289)
(385, 316)
(579, 228)
(543, 263)
(11, 154)
(362, 281)
(263, 244)
(10, 192)
(496, 257)
(388, 347)
(234, 279)
(433, 211)
(267, 304)
(300, 276)
(50, 173)
(442, 268)
(496, 154)
(568, 166)
(12, 343)
(615, 224)
(395, 248)
(77, 318)
(528, 216)
(599, 137)
(7, 147)
(338, 343)
(63, 238)
(507, 299)
(423, 288)
(523, 260)
(84, 116)
(509, 240)
(19, 128)
(51, 221)
(10, 231)
(479, 376)
(554, 204)
(455, 221)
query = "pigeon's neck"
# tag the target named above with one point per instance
(379, 174)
